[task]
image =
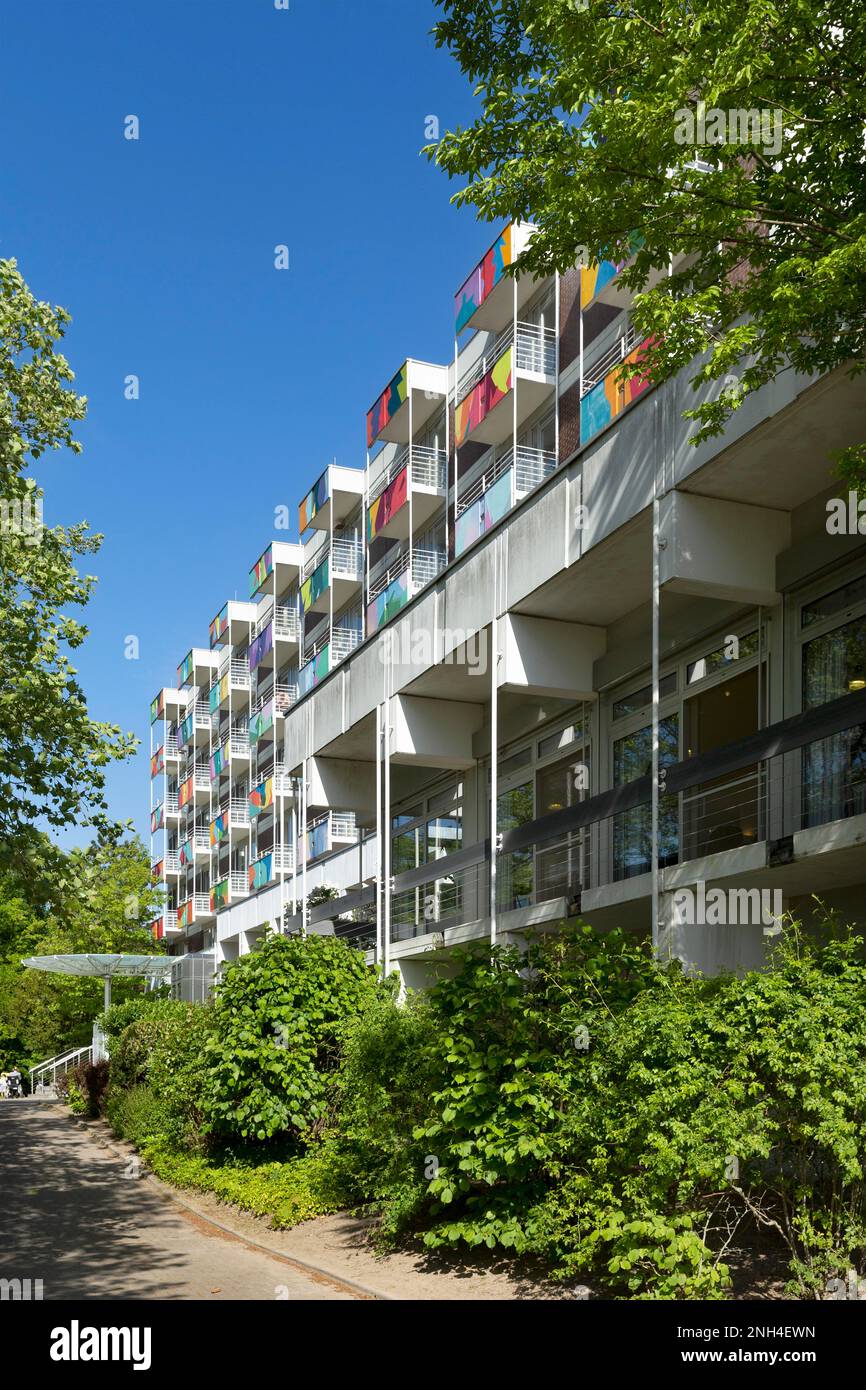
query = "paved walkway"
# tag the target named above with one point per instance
(73, 1216)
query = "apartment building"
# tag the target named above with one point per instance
(541, 657)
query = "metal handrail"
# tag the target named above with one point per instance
(535, 351)
(348, 557)
(599, 369)
(429, 466)
(62, 1063)
(287, 624)
(240, 673)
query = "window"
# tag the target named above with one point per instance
(561, 868)
(632, 830)
(834, 768)
(724, 656)
(634, 703)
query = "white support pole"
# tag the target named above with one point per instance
(379, 838)
(656, 605)
(494, 741)
(386, 844)
(304, 909)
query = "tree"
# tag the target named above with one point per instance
(41, 1014)
(731, 135)
(52, 754)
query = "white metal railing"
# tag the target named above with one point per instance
(286, 623)
(58, 1066)
(239, 883)
(172, 747)
(429, 466)
(534, 351)
(201, 904)
(239, 742)
(348, 558)
(240, 674)
(480, 485)
(201, 839)
(343, 641)
(203, 716)
(202, 777)
(285, 694)
(284, 784)
(531, 467)
(261, 623)
(239, 811)
(172, 863)
(171, 805)
(316, 639)
(598, 370)
(427, 562)
(343, 825)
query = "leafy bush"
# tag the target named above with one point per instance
(118, 1018)
(86, 1085)
(280, 1016)
(286, 1192)
(138, 1115)
(381, 1097)
(164, 1049)
(622, 1121)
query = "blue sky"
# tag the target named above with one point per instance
(258, 127)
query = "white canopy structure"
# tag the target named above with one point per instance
(157, 968)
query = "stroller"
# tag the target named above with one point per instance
(14, 1083)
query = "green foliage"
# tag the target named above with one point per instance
(86, 1088)
(165, 1050)
(54, 755)
(381, 1098)
(580, 130)
(138, 1114)
(280, 1015)
(287, 1193)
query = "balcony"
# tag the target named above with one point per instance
(343, 642)
(157, 762)
(287, 624)
(330, 500)
(525, 360)
(410, 399)
(238, 811)
(201, 841)
(391, 587)
(490, 495)
(202, 906)
(334, 830)
(239, 883)
(202, 777)
(262, 722)
(261, 651)
(267, 868)
(171, 747)
(171, 805)
(335, 568)
(486, 299)
(316, 667)
(606, 392)
(197, 668)
(232, 624)
(239, 674)
(419, 472)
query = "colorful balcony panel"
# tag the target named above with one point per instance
(218, 830)
(261, 797)
(609, 398)
(185, 855)
(261, 722)
(184, 670)
(488, 273)
(218, 693)
(387, 504)
(157, 929)
(594, 278)
(489, 391)
(314, 501)
(386, 407)
(157, 707)
(314, 671)
(318, 840)
(219, 761)
(386, 605)
(315, 586)
(185, 792)
(157, 762)
(186, 729)
(185, 914)
(157, 870)
(261, 570)
(261, 873)
(219, 628)
(491, 507)
(219, 895)
(157, 818)
(261, 646)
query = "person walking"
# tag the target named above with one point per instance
(14, 1083)
(4, 1085)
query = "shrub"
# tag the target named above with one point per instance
(118, 1018)
(86, 1087)
(280, 1016)
(381, 1097)
(138, 1115)
(286, 1192)
(164, 1049)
